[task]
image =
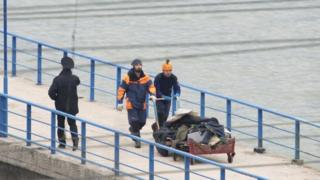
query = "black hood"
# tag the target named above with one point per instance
(66, 72)
(67, 63)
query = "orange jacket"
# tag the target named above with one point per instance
(136, 89)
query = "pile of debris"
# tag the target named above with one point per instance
(185, 125)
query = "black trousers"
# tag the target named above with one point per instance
(61, 127)
(137, 119)
(163, 109)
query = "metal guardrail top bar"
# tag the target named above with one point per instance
(184, 154)
(65, 50)
(183, 85)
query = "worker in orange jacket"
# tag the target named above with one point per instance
(136, 85)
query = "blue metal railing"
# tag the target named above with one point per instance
(229, 101)
(29, 133)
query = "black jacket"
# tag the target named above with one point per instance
(165, 84)
(64, 92)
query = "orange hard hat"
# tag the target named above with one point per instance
(167, 66)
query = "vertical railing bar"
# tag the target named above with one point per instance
(83, 143)
(3, 116)
(92, 79)
(117, 153)
(260, 148)
(118, 81)
(222, 173)
(53, 133)
(229, 114)
(202, 105)
(28, 135)
(151, 162)
(65, 53)
(14, 56)
(39, 69)
(297, 159)
(186, 168)
(174, 104)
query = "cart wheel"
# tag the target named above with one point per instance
(192, 161)
(230, 157)
(174, 156)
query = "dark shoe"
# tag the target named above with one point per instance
(62, 143)
(75, 144)
(62, 146)
(137, 144)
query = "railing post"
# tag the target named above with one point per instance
(151, 162)
(92, 79)
(14, 56)
(147, 104)
(28, 135)
(202, 105)
(118, 81)
(229, 114)
(116, 154)
(3, 116)
(65, 53)
(53, 133)
(186, 168)
(297, 159)
(174, 104)
(5, 48)
(83, 143)
(39, 69)
(222, 173)
(260, 148)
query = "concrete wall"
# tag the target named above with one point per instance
(9, 172)
(36, 163)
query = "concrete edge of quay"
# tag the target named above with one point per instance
(42, 162)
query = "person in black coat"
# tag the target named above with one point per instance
(63, 91)
(164, 83)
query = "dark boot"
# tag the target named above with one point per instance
(137, 143)
(75, 143)
(62, 145)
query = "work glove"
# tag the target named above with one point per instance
(153, 98)
(177, 97)
(120, 107)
